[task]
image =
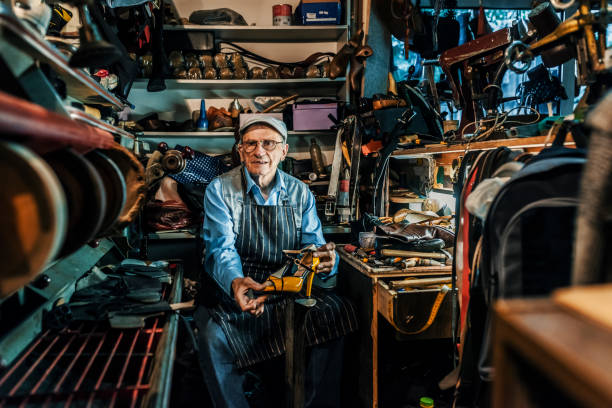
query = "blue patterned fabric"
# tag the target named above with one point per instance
(201, 169)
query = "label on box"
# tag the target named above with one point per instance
(321, 19)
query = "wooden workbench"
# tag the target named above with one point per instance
(360, 282)
(547, 355)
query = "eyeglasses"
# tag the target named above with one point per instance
(269, 145)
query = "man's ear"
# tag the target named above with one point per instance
(240, 153)
(285, 151)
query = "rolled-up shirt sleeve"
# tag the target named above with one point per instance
(222, 261)
(312, 232)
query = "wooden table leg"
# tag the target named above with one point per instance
(295, 365)
(374, 334)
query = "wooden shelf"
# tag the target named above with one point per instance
(317, 183)
(178, 234)
(78, 83)
(336, 229)
(250, 88)
(198, 135)
(323, 33)
(427, 150)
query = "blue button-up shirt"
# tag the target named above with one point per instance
(222, 261)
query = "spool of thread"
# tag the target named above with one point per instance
(281, 14)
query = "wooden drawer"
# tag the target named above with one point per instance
(409, 311)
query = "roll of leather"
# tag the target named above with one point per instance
(114, 185)
(85, 195)
(133, 174)
(33, 214)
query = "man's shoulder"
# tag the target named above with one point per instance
(293, 184)
(226, 184)
(230, 178)
(229, 175)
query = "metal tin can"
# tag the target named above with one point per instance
(281, 14)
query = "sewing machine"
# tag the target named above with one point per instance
(471, 68)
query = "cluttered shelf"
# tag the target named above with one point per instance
(84, 117)
(445, 148)
(169, 135)
(78, 83)
(324, 33)
(237, 88)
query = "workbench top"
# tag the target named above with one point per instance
(391, 271)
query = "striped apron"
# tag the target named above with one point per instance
(265, 231)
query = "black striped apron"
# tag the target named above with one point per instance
(265, 231)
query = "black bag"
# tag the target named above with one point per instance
(528, 235)
(221, 16)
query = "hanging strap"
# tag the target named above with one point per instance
(432, 314)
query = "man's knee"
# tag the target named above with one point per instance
(211, 339)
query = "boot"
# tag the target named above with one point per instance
(341, 59)
(357, 59)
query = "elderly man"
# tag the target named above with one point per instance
(252, 213)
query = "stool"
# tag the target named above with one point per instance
(295, 358)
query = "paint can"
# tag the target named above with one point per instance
(281, 14)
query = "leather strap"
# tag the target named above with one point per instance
(434, 311)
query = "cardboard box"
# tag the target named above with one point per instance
(318, 12)
(314, 116)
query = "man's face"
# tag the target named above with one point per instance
(260, 161)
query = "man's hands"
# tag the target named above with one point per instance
(327, 257)
(240, 288)
(255, 306)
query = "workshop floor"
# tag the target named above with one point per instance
(403, 380)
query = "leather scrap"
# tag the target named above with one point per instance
(416, 232)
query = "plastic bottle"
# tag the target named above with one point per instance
(202, 123)
(426, 402)
(316, 157)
